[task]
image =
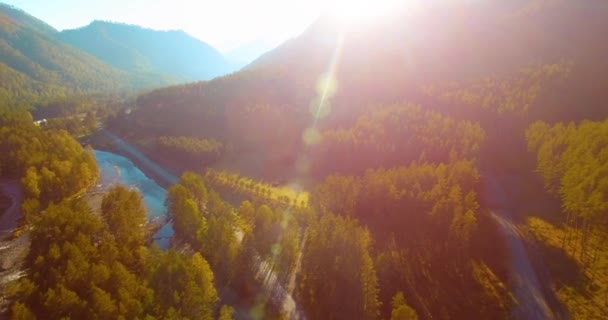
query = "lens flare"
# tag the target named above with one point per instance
(327, 85)
(320, 107)
(311, 136)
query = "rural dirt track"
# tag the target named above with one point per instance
(531, 304)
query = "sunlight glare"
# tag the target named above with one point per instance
(355, 11)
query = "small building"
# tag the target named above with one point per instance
(40, 122)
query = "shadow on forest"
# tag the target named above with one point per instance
(527, 194)
(566, 271)
(563, 271)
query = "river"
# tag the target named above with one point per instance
(115, 169)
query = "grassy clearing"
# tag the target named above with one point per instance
(581, 286)
(285, 193)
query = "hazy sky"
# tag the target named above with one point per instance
(225, 24)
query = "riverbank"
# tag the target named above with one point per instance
(13, 250)
(10, 218)
(106, 141)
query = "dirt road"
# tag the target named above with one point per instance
(531, 304)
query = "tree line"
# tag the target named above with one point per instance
(194, 152)
(573, 163)
(388, 136)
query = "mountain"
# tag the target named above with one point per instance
(392, 59)
(24, 19)
(531, 60)
(36, 65)
(172, 55)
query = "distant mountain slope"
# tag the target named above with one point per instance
(174, 55)
(456, 40)
(393, 57)
(35, 64)
(24, 19)
(391, 60)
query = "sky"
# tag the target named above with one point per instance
(224, 24)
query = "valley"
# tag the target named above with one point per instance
(445, 160)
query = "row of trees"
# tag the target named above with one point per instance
(233, 182)
(193, 152)
(238, 243)
(206, 223)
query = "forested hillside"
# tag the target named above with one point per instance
(469, 64)
(37, 66)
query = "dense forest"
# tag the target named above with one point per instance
(313, 187)
(85, 266)
(572, 162)
(35, 65)
(50, 164)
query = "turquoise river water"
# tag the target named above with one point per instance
(115, 169)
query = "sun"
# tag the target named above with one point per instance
(357, 11)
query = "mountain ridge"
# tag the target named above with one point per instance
(137, 49)
(44, 67)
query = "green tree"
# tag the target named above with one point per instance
(123, 211)
(337, 194)
(338, 279)
(20, 311)
(183, 286)
(226, 313)
(401, 311)
(184, 209)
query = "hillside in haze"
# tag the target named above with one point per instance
(40, 64)
(172, 55)
(402, 57)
